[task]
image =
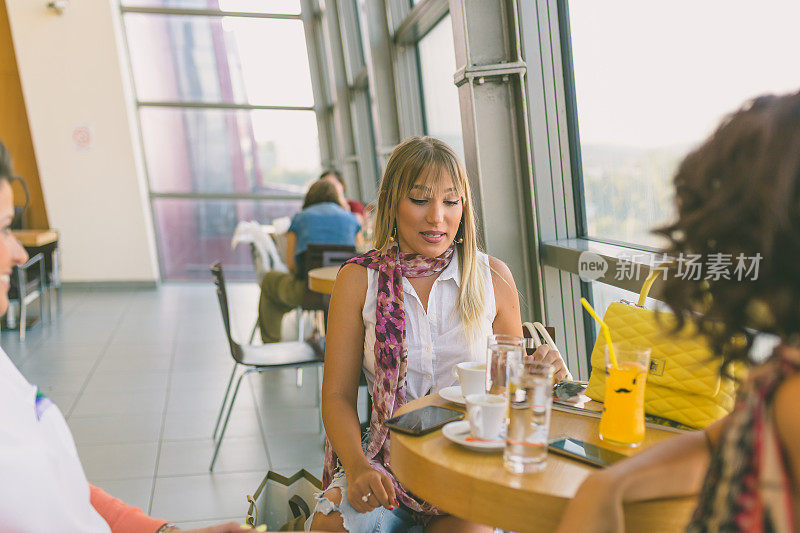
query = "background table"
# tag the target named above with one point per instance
(35, 237)
(476, 487)
(321, 279)
(43, 241)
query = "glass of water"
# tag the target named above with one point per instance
(530, 396)
(502, 350)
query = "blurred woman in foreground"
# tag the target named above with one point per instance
(42, 483)
(737, 195)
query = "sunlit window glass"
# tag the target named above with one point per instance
(211, 59)
(224, 151)
(652, 80)
(282, 7)
(192, 234)
(202, 82)
(437, 61)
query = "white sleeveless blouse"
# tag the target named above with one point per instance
(437, 340)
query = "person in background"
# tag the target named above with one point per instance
(405, 314)
(355, 207)
(322, 221)
(42, 483)
(738, 195)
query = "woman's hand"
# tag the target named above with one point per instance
(376, 486)
(546, 354)
(596, 508)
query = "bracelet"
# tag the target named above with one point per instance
(166, 527)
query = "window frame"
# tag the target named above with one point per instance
(183, 105)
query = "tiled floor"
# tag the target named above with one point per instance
(140, 374)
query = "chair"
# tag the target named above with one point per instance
(29, 282)
(294, 354)
(323, 255)
(316, 256)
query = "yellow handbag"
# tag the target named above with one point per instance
(683, 383)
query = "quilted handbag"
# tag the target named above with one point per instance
(683, 382)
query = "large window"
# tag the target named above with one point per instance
(654, 79)
(226, 115)
(440, 97)
(633, 87)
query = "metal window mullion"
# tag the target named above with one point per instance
(420, 20)
(564, 91)
(351, 39)
(222, 105)
(405, 63)
(206, 13)
(361, 80)
(554, 192)
(320, 36)
(378, 55)
(224, 196)
(318, 83)
(365, 145)
(341, 96)
(564, 255)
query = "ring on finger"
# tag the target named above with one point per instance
(365, 497)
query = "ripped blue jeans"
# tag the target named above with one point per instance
(379, 520)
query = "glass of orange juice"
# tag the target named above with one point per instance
(622, 422)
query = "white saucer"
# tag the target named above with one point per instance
(459, 431)
(453, 394)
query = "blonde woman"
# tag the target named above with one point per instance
(424, 300)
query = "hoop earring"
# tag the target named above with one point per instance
(460, 240)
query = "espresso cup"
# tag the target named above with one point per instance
(472, 377)
(486, 414)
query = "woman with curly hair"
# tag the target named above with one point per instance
(737, 194)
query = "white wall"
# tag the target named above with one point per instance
(74, 72)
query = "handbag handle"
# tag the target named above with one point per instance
(532, 328)
(252, 511)
(299, 507)
(648, 283)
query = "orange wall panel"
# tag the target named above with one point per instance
(14, 128)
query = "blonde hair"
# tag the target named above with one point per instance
(430, 159)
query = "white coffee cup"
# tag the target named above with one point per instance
(486, 414)
(472, 377)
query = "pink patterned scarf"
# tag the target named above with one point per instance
(389, 389)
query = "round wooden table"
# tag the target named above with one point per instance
(476, 487)
(321, 279)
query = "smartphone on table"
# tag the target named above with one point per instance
(423, 420)
(585, 452)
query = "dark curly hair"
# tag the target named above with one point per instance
(739, 193)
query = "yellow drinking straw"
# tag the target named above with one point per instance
(605, 330)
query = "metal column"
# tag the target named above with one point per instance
(491, 87)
